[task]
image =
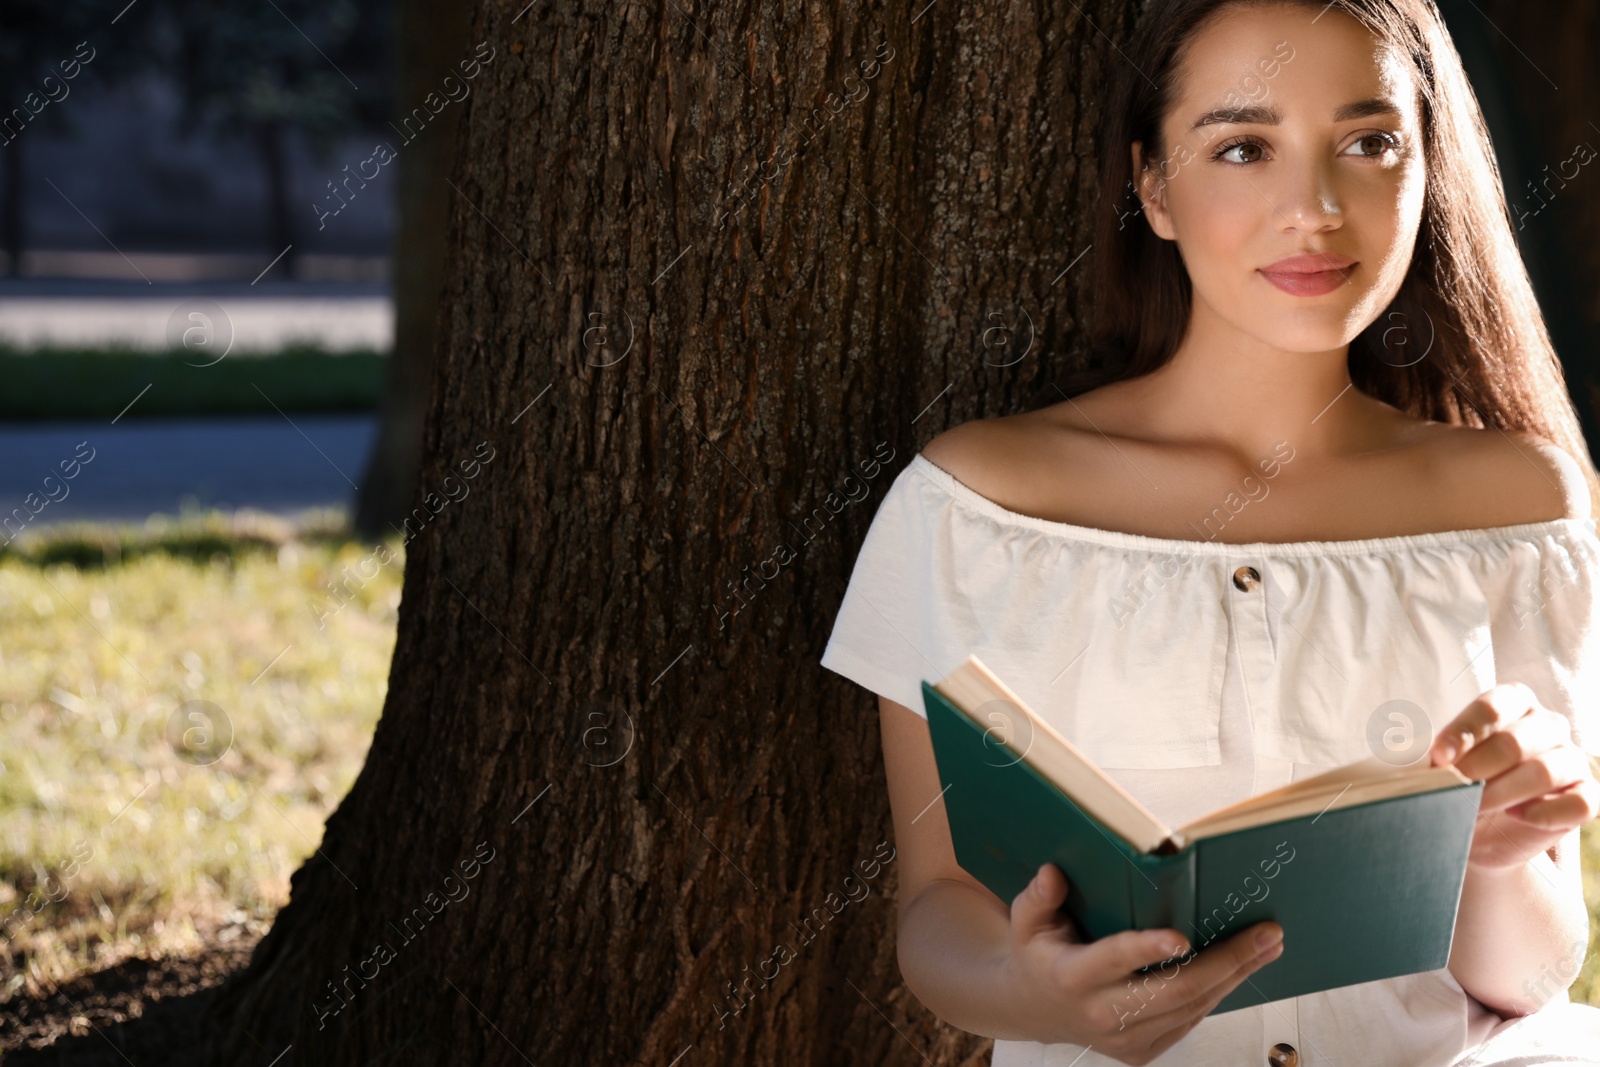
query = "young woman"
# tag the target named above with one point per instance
(1336, 493)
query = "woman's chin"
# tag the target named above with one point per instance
(1310, 329)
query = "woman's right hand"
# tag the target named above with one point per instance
(1088, 994)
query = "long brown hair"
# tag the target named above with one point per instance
(1466, 300)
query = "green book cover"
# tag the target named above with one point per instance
(1362, 892)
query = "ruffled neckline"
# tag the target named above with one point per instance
(972, 501)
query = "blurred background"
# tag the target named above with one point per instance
(207, 449)
(194, 252)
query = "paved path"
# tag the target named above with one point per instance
(142, 467)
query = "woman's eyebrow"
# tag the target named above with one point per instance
(1269, 115)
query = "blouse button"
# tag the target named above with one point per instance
(1283, 1054)
(1245, 578)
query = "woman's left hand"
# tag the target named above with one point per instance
(1538, 785)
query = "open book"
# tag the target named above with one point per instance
(1362, 865)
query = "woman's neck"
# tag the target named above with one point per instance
(1228, 388)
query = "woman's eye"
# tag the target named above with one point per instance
(1234, 146)
(1383, 141)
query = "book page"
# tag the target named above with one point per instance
(987, 701)
(1356, 783)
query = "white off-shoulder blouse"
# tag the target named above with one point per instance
(1199, 673)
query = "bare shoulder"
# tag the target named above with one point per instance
(1510, 476)
(973, 451)
(1008, 456)
(1000, 457)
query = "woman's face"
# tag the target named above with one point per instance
(1307, 164)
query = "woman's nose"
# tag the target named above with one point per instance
(1308, 200)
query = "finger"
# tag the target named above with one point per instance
(1035, 910)
(1170, 987)
(1535, 733)
(1111, 960)
(1547, 772)
(1240, 975)
(1182, 1015)
(1565, 811)
(1492, 709)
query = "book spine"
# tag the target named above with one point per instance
(1163, 892)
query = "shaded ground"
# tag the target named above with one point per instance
(139, 1011)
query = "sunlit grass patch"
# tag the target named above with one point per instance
(129, 822)
(1586, 990)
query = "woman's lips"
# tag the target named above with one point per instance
(1315, 283)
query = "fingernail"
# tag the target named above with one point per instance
(1448, 750)
(1270, 936)
(1176, 949)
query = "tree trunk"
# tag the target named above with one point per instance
(11, 208)
(679, 821)
(432, 39)
(275, 168)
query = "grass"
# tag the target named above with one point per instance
(80, 383)
(129, 826)
(1586, 990)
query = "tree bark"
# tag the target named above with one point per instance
(667, 405)
(432, 40)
